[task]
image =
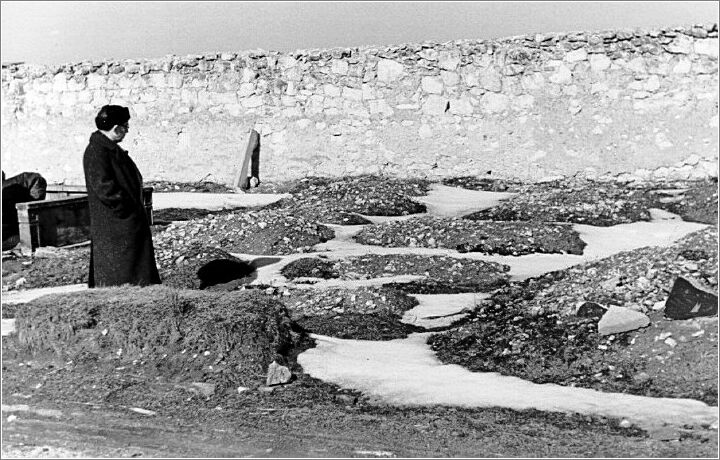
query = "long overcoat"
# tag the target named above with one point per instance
(122, 249)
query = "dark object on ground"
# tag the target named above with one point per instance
(481, 183)
(591, 310)
(689, 299)
(122, 249)
(310, 267)
(24, 187)
(220, 271)
(356, 326)
(252, 154)
(224, 338)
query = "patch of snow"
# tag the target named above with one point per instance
(441, 310)
(8, 326)
(27, 295)
(214, 201)
(444, 201)
(406, 372)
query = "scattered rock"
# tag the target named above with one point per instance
(206, 389)
(277, 374)
(591, 310)
(689, 299)
(621, 319)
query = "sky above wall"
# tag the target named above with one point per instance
(59, 32)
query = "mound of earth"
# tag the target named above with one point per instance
(226, 339)
(504, 238)
(528, 329)
(443, 274)
(48, 267)
(167, 215)
(339, 200)
(482, 183)
(367, 313)
(185, 271)
(548, 347)
(694, 201)
(257, 232)
(201, 186)
(638, 279)
(582, 202)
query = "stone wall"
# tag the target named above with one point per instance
(635, 102)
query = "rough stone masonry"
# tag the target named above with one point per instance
(640, 103)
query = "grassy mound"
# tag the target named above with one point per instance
(226, 338)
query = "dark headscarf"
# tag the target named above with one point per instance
(111, 115)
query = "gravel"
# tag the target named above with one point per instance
(255, 232)
(339, 200)
(504, 238)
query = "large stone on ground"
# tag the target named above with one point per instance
(621, 319)
(689, 299)
(591, 310)
(277, 374)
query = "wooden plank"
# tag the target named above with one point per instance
(253, 149)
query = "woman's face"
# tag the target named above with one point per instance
(119, 131)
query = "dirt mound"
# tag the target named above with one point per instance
(225, 338)
(504, 238)
(194, 268)
(48, 267)
(339, 200)
(256, 232)
(586, 202)
(528, 328)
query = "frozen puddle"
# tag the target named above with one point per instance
(214, 201)
(406, 372)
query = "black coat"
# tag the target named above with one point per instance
(122, 250)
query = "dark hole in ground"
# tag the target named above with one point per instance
(222, 271)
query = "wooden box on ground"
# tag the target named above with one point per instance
(62, 218)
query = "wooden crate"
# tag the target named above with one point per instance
(62, 218)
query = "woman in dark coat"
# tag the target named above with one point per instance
(122, 249)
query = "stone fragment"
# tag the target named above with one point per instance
(461, 107)
(432, 85)
(621, 319)
(577, 55)
(425, 132)
(435, 105)
(277, 374)
(448, 61)
(205, 389)
(562, 76)
(339, 67)
(450, 78)
(491, 80)
(708, 47)
(494, 103)
(388, 70)
(590, 310)
(689, 299)
(682, 44)
(599, 62)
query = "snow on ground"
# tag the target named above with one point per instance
(214, 201)
(406, 372)
(444, 201)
